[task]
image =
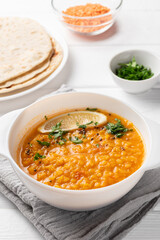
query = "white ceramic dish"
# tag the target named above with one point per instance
(14, 125)
(142, 57)
(21, 93)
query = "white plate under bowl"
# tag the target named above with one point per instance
(20, 93)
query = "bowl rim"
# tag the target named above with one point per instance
(61, 190)
(134, 81)
(89, 26)
(59, 13)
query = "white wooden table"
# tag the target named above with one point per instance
(138, 26)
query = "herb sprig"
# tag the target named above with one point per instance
(43, 143)
(133, 71)
(37, 156)
(84, 125)
(117, 129)
(57, 131)
(75, 140)
(61, 143)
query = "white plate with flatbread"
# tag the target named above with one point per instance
(32, 87)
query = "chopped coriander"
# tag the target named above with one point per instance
(91, 109)
(84, 125)
(84, 136)
(133, 71)
(44, 143)
(97, 145)
(49, 136)
(63, 139)
(61, 143)
(118, 135)
(45, 117)
(96, 123)
(57, 131)
(76, 140)
(37, 156)
(81, 126)
(56, 127)
(117, 129)
(89, 123)
(58, 134)
(30, 145)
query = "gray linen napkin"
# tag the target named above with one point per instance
(112, 222)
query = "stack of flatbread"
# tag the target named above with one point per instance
(28, 54)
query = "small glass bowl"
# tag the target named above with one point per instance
(87, 25)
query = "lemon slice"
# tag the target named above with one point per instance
(71, 121)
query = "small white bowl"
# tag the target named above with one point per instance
(142, 57)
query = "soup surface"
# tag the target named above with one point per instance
(85, 158)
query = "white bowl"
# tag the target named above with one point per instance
(142, 57)
(14, 125)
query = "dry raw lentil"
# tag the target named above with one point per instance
(85, 24)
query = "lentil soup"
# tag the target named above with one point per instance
(85, 158)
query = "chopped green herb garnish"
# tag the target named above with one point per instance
(61, 143)
(84, 136)
(63, 139)
(81, 126)
(96, 123)
(37, 156)
(45, 117)
(56, 127)
(56, 131)
(89, 123)
(97, 145)
(49, 136)
(118, 135)
(30, 144)
(44, 143)
(91, 109)
(133, 71)
(76, 140)
(58, 134)
(117, 129)
(84, 125)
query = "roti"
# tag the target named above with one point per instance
(24, 45)
(28, 75)
(54, 63)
